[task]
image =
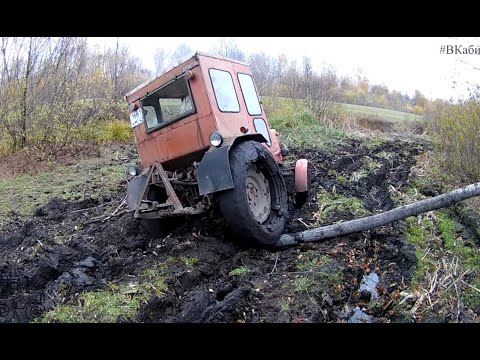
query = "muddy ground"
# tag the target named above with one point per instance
(59, 254)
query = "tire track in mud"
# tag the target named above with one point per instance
(56, 256)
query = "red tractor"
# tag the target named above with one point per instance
(203, 137)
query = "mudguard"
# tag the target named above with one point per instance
(214, 172)
(135, 189)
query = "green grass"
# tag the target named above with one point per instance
(342, 179)
(302, 283)
(369, 166)
(99, 307)
(190, 261)
(390, 115)
(447, 228)
(117, 300)
(470, 256)
(332, 203)
(302, 129)
(313, 262)
(91, 178)
(470, 296)
(284, 305)
(418, 234)
(240, 271)
(333, 279)
(299, 127)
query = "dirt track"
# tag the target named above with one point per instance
(57, 255)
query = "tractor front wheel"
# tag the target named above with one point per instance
(256, 207)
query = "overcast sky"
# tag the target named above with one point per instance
(403, 64)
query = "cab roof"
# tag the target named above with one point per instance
(197, 55)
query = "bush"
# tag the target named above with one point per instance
(117, 131)
(455, 130)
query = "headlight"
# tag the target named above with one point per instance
(216, 139)
(132, 170)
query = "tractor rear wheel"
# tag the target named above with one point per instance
(256, 207)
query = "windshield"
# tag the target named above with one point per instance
(171, 103)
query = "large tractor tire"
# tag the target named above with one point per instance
(256, 207)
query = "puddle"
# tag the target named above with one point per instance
(369, 283)
(360, 317)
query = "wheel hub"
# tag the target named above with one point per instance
(258, 194)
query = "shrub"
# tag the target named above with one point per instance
(455, 130)
(117, 131)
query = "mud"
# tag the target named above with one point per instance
(57, 255)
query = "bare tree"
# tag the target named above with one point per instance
(323, 94)
(307, 75)
(263, 71)
(51, 87)
(162, 61)
(181, 53)
(21, 58)
(228, 48)
(292, 82)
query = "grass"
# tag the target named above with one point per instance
(284, 305)
(99, 307)
(469, 255)
(369, 166)
(240, 271)
(418, 234)
(390, 115)
(299, 127)
(342, 179)
(190, 261)
(313, 262)
(302, 283)
(334, 279)
(302, 129)
(319, 273)
(333, 203)
(117, 300)
(24, 194)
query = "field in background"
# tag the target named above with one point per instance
(298, 125)
(390, 115)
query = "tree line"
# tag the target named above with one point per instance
(52, 87)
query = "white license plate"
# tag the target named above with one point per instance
(136, 118)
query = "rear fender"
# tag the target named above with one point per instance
(214, 172)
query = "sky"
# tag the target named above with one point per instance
(402, 64)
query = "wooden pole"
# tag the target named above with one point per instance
(370, 222)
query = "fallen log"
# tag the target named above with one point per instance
(370, 222)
